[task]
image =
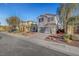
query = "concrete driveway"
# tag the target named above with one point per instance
(14, 46)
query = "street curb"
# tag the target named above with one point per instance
(64, 48)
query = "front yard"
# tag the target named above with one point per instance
(59, 39)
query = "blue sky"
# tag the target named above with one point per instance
(26, 11)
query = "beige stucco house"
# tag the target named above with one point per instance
(4, 28)
(26, 26)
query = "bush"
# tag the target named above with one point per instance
(67, 37)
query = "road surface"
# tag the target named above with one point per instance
(13, 46)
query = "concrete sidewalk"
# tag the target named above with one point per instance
(39, 39)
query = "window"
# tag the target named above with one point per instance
(41, 20)
(50, 19)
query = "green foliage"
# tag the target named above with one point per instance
(67, 37)
(73, 20)
(14, 23)
(13, 20)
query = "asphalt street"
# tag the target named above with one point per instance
(14, 46)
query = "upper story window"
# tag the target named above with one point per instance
(41, 19)
(50, 19)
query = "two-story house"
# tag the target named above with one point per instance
(28, 26)
(47, 23)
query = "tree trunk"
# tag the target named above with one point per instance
(65, 26)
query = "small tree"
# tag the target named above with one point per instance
(13, 21)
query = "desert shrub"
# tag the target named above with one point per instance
(67, 37)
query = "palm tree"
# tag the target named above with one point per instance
(65, 12)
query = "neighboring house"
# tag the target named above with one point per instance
(34, 27)
(26, 26)
(4, 28)
(73, 25)
(47, 23)
(73, 22)
(23, 26)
